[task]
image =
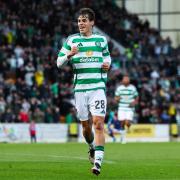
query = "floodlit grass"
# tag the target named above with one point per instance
(70, 161)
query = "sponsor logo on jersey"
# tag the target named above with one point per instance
(89, 53)
(89, 59)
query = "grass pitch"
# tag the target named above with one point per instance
(69, 161)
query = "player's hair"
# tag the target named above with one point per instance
(89, 12)
(126, 75)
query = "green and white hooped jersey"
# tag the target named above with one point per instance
(87, 64)
(127, 95)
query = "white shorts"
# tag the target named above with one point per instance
(93, 102)
(125, 115)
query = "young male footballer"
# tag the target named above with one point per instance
(88, 52)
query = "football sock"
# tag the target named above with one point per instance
(99, 154)
(123, 134)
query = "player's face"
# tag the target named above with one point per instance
(125, 80)
(85, 25)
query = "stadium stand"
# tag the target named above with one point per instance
(31, 86)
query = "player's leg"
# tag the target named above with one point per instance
(121, 118)
(89, 138)
(123, 132)
(129, 119)
(97, 104)
(128, 124)
(87, 132)
(83, 115)
(98, 123)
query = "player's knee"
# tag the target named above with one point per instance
(122, 124)
(99, 125)
(86, 128)
(128, 123)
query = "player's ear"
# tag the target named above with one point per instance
(92, 23)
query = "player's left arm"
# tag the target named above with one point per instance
(106, 57)
(136, 98)
(134, 102)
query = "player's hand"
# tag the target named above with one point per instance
(74, 51)
(132, 104)
(106, 66)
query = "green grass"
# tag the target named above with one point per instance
(69, 161)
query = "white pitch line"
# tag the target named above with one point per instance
(54, 156)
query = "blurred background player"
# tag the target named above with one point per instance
(113, 125)
(32, 132)
(88, 52)
(127, 97)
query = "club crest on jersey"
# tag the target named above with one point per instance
(98, 44)
(89, 53)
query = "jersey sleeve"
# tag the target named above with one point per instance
(65, 49)
(105, 52)
(62, 55)
(135, 92)
(117, 92)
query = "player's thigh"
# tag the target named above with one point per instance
(129, 116)
(97, 103)
(81, 106)
(125, 115)
(121, 115)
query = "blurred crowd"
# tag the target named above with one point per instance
(31, 86)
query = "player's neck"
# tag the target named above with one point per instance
(87, 34)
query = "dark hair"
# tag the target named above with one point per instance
(126, 75)
(87, 11)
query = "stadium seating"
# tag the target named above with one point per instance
(31, 84)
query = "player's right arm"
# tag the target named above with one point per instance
(106, 57)
(65, 54)
(117, 98)
(117, 95)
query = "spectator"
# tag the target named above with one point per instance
(29, 79)
(32, 131)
